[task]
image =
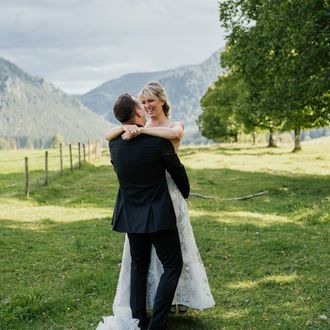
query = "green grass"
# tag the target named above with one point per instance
(267, 258)
(12, 161)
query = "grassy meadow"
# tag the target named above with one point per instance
(267, 257)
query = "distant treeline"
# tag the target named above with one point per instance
(191, 137)
(26, 142)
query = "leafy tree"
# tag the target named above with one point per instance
(57, 139)
(218, 119)
(280, 49)
(228, 111)
(249, 112)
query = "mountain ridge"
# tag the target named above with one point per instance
(32, 111)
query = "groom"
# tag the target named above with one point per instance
(144, 210)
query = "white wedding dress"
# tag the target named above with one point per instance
(193, 288)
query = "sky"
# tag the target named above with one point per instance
(79, 44)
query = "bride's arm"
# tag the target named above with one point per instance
(173, 132)
(133, 130)
(114, 133)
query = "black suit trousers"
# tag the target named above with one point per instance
(167, 246)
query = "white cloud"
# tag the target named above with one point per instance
(80, 44)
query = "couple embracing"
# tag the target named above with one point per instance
(161, 265)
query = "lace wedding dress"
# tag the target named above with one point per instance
(193, 288)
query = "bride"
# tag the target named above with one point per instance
(193, 289)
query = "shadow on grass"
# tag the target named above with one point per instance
(90, 184)
(260, 277)
(97, 186)
(57, 273)
(186, 322)
(302, 199)
(263, 275)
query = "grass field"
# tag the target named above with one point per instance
(267, 257)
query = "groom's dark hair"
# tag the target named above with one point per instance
(124, 108)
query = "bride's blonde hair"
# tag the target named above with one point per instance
(153, 89)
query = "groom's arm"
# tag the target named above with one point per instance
(175, 168)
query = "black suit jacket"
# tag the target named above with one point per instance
(143, 202)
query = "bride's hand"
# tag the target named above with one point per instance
(131, 131)
(126, 136)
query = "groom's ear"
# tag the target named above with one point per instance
(139, 111)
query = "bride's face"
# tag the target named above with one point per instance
(152, 106)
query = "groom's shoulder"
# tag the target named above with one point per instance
(115, 141)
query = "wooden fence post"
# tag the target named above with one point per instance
(46, 168)
(79, 157)
(89, 150)
(84, 153)
(61, 158)
(26, 174)
(70, 150)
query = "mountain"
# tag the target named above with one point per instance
(185, 86)
(32, 111)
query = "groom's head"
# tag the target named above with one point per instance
(128, 111)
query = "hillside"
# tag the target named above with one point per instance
(32, 111)
(185, 86)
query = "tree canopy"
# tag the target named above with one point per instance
(279, 51)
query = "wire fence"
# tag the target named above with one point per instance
(37, 165)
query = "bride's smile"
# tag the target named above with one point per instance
(153, 107)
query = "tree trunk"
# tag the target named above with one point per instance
(271, 141)
(297, 140)
(253, 137)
